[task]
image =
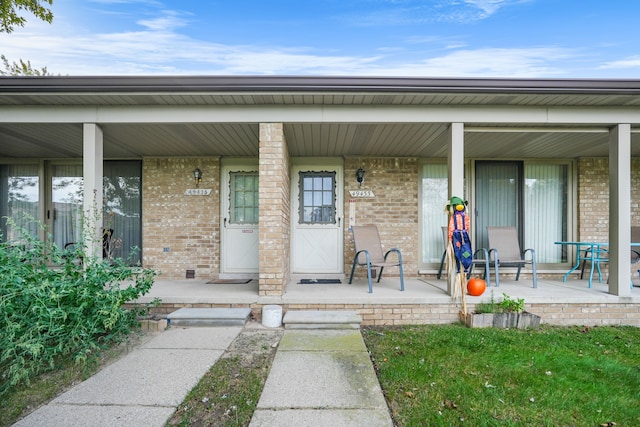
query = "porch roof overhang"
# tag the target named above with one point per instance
(42, 117)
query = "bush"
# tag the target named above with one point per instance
(59, 305)
(507, 305)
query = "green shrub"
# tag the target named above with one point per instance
(507, 305)
(57, 304)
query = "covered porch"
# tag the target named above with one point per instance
(419, 140)
(424, 301)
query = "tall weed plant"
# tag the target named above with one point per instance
(58, 304)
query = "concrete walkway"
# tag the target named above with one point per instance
(322, 377)
(143, 388)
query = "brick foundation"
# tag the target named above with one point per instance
(562, 314)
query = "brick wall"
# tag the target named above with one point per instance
(394, 209)
(275, 241)
(593, 196)
(187, 226)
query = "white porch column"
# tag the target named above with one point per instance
(455, 158)
(619, 209)
(92, 171)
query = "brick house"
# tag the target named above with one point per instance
(278, 157)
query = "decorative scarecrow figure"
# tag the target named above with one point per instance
(459, 252)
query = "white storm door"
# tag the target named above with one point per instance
(239, 219)
(317, 220)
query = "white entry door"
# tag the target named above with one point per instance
(316, 217)
(239, 219)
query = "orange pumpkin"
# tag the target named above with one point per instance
(476, 286)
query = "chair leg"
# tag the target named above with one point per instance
(441, 265)
(369, 275)
(353, 269)
(487, 272)
(380, 274)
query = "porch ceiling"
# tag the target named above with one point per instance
(344, 116)
(63, 140)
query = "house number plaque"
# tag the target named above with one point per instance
(197, 192)
(362, 194)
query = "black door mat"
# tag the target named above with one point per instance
(228, 281)
(318, 281)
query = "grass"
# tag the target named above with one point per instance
(555, 376)
(435, 375)
(228, 394)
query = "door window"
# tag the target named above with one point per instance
(243, 197)
(317, 197)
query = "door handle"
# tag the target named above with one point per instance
(225, 223)
(339, 219)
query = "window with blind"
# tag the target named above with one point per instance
(123, 208)
(19, 200)
(532, 196)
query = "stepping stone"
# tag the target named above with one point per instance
(209, 317)
(310, 319)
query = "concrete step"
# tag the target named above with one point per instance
(310, 319)
(209, 317)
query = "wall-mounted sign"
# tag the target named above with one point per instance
(197, 192)
(361, 193)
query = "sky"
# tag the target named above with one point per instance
(395, 38)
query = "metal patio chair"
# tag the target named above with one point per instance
(505, 252)
(369, 253)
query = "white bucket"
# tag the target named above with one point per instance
(272, 316)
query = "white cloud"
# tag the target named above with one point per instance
(170, 20)
(159, 48)
(416, 12)
(167, 52)
(631, 62)
(489, 7)
(497, 62)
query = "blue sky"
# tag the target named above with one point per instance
(439, 38)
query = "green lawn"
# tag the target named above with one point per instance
(555, 376)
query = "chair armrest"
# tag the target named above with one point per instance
(484, 251)
(366, 253)
(496, 257)
(532, 251)
(397, 251)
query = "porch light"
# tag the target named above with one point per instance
(197, 176)
(360, 176)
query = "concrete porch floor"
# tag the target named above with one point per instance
(417, 291)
